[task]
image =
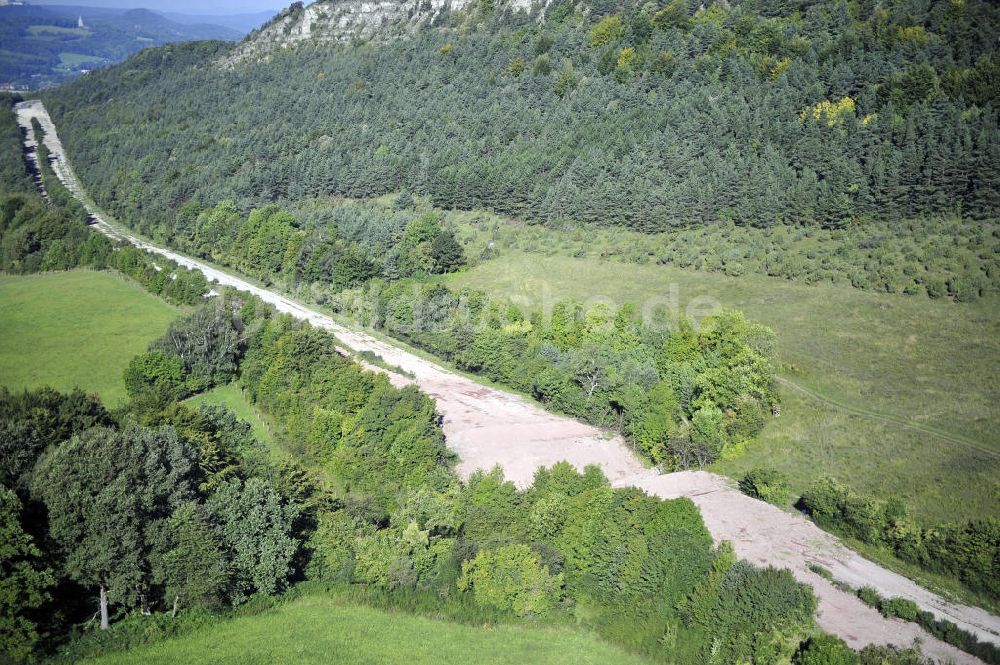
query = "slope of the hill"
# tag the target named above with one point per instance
(316, 629)
(347, 21)
(800, 113)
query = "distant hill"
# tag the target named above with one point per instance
(241, 22)
(190, 7)
(44, 46)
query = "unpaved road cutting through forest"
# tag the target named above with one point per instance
(488, 427)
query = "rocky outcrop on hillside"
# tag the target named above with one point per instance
(344, 21)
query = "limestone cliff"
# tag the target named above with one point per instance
(348, 20)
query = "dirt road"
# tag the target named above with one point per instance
(489, 427)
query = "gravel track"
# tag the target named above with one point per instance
(488, 427)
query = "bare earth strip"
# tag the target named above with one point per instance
(488, 427)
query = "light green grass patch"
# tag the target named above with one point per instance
(232, 397)
(70, 60)
(58, 30)
(318, 630)
(888, 361)
(75, 329)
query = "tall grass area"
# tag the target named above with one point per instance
(321, 629)
(75, 329)
(906, 388)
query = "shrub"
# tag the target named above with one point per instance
(869, 596)
(902, 608)
(822, 571)
(825, 650)
(767, 485)
(510, 578)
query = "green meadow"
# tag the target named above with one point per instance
(893, 395)
(57, 31)
(232, 397)
(75, 329)
(69, 60)
(318, 629)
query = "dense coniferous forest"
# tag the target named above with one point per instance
(760, 114)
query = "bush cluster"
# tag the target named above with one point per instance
(682, 396)
(944, 630)
(767, 485)
(965, 551)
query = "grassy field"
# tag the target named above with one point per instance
(316, 629)
(232, 397)
(59, 31)
(69, 60)
(72, 329)
(891, 394)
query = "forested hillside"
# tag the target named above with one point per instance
(646, 116)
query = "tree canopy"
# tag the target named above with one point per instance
(762, 114)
